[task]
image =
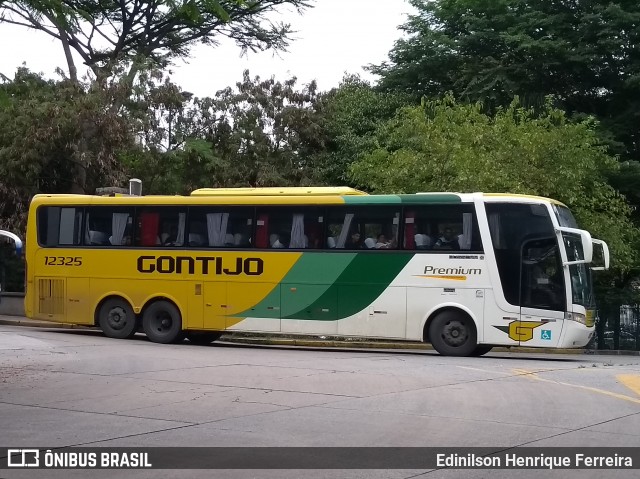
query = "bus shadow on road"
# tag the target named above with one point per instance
(235, 344)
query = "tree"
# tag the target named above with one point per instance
(117, 40)
(41, 145)
(262, 133)
(351, 114)
(583, 52)
(446, 146)
(107, 33)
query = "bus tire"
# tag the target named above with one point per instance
(481, 350)
(117, 319)
(162, 323)
(453, 334)
(202, 337)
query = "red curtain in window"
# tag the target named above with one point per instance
(149, 223)
(262, 231)
(409, 230)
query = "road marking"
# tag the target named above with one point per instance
(534, 375)
(488, 371)
(632, 381)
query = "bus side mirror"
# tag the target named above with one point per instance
(601, 251)
(16, 240)
(586, 242)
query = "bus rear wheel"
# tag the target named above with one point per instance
(162, 323)
(453, 334)
(203, 337)
(117, 319)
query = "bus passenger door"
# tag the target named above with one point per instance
(542, 294)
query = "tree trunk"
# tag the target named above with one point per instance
(73, 71)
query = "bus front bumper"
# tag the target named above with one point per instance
(575, 334)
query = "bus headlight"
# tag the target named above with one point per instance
(578, 317)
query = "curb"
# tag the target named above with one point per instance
(320, 343)
(34, 323)
(331, 343)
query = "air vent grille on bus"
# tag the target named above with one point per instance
(51, 296)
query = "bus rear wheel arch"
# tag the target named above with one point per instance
(116, 318)
(453, 333)
(162, 322)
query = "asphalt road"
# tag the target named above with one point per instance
(79, 388)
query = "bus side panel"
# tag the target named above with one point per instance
(79, 306)
(385, 317)
(249, 301)
(309, 308)
(499, 324)
(212, 315)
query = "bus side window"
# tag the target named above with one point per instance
(161, 226)
(59, 226)
(290, 228)
(445, 228)
(108, 226)
(220, 227)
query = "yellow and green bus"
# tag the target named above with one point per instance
(465, 272)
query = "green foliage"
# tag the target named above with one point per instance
(583, 52)
(262, 133)
(445, 146)
(49, 132)
(351, 114)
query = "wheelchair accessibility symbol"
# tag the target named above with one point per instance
(545, 334)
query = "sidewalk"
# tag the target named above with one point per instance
(246, 338)
(320, 341)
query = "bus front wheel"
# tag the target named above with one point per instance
(481, 350)
(117, 319)
(453, 334)
(162, 323)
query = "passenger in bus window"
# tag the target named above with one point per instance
(171, 237)
(382, 242)
(279, 240)
(448, 240)
(422, 241)
(354, 241)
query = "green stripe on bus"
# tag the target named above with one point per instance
(366, 277)
(307, 280)
(372, 200)
(430, 198)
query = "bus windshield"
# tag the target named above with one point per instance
(565, 217)
(580, 274)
